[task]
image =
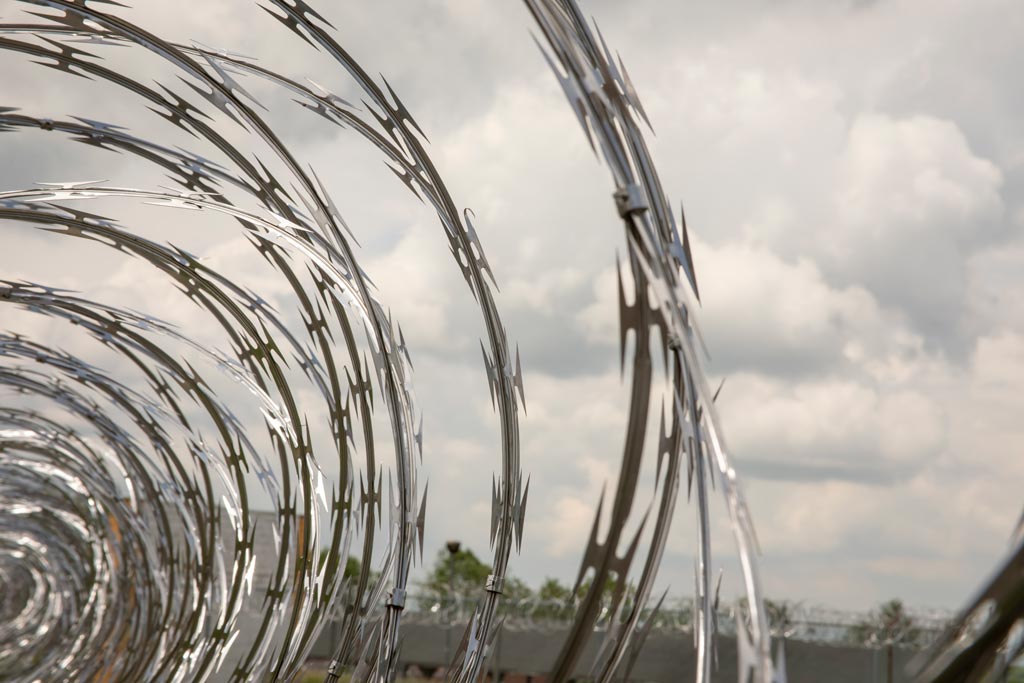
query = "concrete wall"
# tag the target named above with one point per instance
(665, 656)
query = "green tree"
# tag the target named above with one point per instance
(467, 582)
(469, 577)
(553, 590)
(606, 591)
(516, 591)
(554, 601)
(889, 624)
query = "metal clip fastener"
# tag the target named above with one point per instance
(630, 200)
(495, 584)
(397, 598)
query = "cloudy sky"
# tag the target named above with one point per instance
(853, 176)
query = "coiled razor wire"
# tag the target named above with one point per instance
(130, 490)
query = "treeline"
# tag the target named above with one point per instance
(455, 581)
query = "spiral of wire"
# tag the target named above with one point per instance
(143, 462)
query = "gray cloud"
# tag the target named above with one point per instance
(852, 177)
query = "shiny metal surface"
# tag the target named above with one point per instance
(129, 507)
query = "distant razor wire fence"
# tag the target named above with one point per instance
(809, 623)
